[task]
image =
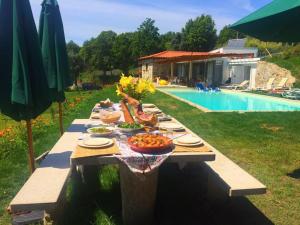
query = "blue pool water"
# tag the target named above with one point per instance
(231, 101)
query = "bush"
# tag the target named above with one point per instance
(291, 51)
(105, 80)
(97, 77)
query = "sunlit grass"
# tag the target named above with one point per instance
(264, 144)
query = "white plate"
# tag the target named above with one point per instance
(149, 106)
(171, 126)
(188, 139)
(187, 145)
(152, 110)
(102, 134)
(96, 141)
(81, 143)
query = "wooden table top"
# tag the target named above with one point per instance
(80, 157)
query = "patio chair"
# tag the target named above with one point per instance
(282, 84)
(201, 87)
(269, 85)
(243, 85)
(214, 88)
(293, 94)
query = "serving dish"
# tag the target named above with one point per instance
(100, 131)
(149, 143)
(130, 128)
(109, 117)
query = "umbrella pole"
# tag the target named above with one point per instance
(30, 146)
(60, 118)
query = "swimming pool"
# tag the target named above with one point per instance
(232, 101)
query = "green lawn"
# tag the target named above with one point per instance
(265, 144)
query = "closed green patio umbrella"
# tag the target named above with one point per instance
(23, 85)
(54, 51)
(278, 21)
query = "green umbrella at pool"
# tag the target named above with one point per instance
(54, 51)
(278, 21)
(23, 84)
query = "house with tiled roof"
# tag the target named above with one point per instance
(233, 62)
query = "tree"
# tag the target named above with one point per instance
(87, 54)
(104, 55)
(97, 52)
(226, 34)
(199, 34)
(122, 52)
(166, 40)
(146, 39)
(75, 61)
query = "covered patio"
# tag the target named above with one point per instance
(187, 68)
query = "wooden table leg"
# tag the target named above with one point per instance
(138, 196)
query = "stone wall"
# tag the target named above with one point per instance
(266, 70)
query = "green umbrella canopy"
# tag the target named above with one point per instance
(24, 91)
(278, 21)
(54, 51)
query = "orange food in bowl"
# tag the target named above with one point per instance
(150, 141)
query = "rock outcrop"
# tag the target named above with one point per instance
(266, 70)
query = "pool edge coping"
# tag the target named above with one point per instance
(206, 110)
(294, 102)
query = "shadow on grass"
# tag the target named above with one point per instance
(94, 200)
(181, 200)
(295, 174)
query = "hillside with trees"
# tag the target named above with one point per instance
(111, 54)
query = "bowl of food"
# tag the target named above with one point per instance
(100, 131)
(149, 143)
(106, 104)
(130, 128)
(109, 117)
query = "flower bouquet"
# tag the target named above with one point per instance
(133, 90)
(136, 88)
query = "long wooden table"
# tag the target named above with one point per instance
(138, 193)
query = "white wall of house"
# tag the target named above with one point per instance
(253, 74)
(238, 69)
(244, 69)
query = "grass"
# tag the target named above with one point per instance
(13, 167)
(265, 144)
(291, 63)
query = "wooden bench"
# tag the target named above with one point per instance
(44, 189)
(225, 174)
(233, 179)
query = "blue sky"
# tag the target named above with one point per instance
(84, 19)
